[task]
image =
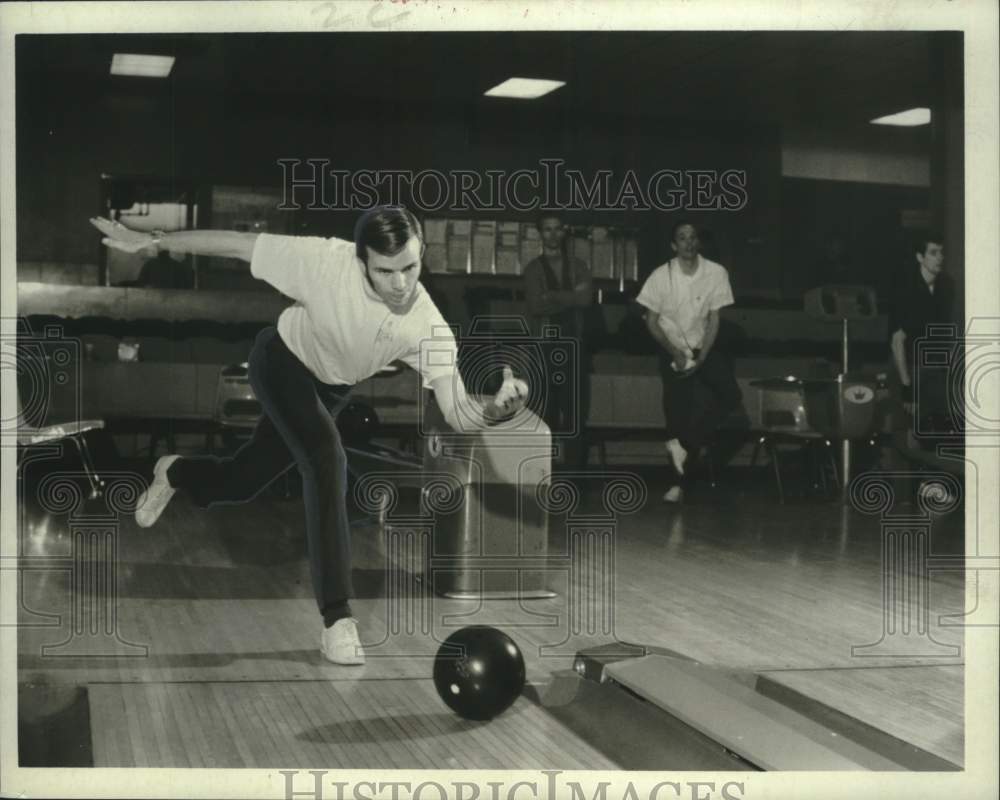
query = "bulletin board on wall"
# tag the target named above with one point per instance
(503, 247)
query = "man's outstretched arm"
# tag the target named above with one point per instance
(225, 244)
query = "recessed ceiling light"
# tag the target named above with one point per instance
(909, 118)
(141, 65)
(524, 88)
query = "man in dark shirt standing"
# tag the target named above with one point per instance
(558, 290)
(923, 297)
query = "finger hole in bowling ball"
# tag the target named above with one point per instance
(358, 423)
(479, 672)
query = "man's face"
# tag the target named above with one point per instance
(395, 277)
(552, 233)
(932, 259)
(685, 241)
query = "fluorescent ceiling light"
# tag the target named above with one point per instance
(909, 118)
(141, 65)
(524, 88)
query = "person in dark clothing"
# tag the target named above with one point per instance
(558, 292)
(923, 297)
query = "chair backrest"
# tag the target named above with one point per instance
(236, 405)
(784, 411)
(782, 405)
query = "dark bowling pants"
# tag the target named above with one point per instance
(694, 406)
(296, 428)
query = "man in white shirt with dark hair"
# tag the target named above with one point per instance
(683, 298)
(358, 307)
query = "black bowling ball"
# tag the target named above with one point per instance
(358, 423)
(479, 672)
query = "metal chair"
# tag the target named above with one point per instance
(785, 421)
(237, 411)
(29, 436)
(236, 407)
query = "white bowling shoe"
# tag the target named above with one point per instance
(152, 501)
(340, 643)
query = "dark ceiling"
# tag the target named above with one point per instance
(784, 78)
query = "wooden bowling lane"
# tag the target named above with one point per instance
(230, 674)
(795, 593)
(919, 705)
(221, 601)
(343, 724)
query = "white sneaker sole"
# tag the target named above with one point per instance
(152, 502)
(344, 660)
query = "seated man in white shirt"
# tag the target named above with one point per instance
(683, 298)
(359, 307)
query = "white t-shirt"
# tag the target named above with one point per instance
(686, 300)
(338, 327)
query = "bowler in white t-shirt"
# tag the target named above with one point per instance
(683, 298)
(358, 307)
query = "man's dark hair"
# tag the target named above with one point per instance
(544, 215)
(680, 224)
(386, 230)
(924, 238)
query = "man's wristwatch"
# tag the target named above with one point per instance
(157, 238)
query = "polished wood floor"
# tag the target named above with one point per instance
(216, 661)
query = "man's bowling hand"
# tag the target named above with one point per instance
(118, 237)
(512, 396)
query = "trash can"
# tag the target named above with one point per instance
(490, 535)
